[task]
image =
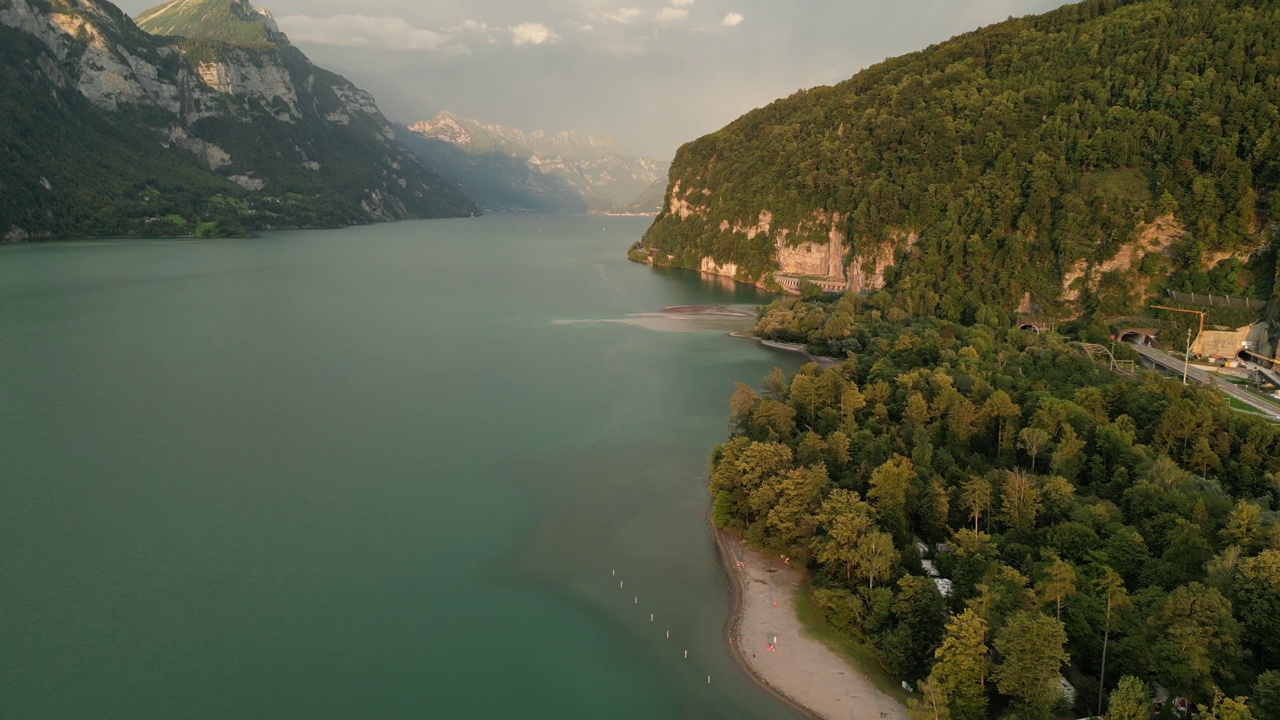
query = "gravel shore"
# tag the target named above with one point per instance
(771, 645)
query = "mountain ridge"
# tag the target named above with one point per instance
(510, 169)
(206, 136)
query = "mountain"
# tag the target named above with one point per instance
(231, 21)
(508, 169)
(218, 127)
(650, 200)
(1080, 161)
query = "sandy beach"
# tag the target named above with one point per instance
(788, 347)
(800, 669)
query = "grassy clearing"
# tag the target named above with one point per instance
(859, 654)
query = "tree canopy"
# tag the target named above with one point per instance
(1097, 540)
(1022, 159)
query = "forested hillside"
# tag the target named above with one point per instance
(1088, 157)
(111, 131)
(1081, 518)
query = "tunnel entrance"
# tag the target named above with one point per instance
(1135, 337)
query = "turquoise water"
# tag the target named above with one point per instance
(374, 472)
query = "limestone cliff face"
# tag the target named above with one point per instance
(824, 255)
(99, 52)
(260, 114)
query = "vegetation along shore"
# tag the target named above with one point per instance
(1008, 527)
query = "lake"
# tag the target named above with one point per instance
(391, 471)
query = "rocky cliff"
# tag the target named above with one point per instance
(1075, 162)
(274, 140)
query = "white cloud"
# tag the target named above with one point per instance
(733, 19)
(531, 33)
(671, 14)
(372, 30)
(681, 3)
(624, 15)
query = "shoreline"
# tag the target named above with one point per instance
(801, 671)
(787, 347)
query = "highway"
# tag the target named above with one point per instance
(1207, 378)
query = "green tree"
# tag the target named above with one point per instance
(876, 558)
(1031, 650)
(1001, 408)
(1110, 588)
(919, 613)
(773, 420)
(930, 703)
(1019, 501)
(741, 406)
(1034, 441)
(1131, 700)
(887, 492)
(846, 519)
(740, 468)
(1002, 592)
(1225, 708)
(1257, 588)
(975, 496)
(1265, 702)
(1244, 526)
(775, 384)
(1068, 455)
(961, 669)
(1203, 458)
(804, 396)
(1193, 640)
(1057, 582)
(793, 519)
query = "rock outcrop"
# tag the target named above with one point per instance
(224, 85)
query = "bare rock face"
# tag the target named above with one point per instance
(248, 183)
(201, 87)
(814, 259)
(711, 267)
(105, 72)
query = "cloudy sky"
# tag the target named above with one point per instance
(652, 74)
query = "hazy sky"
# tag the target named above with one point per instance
(650, 74)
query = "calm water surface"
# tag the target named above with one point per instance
(376, 472)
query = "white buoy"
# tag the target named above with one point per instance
(708, 679)
(615, 573)
(650, 617)
(636, 600)
(668, 634)
(619, 584)
(686, 654)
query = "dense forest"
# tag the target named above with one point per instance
(1025, 157)
(1119, 533)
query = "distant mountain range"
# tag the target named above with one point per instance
(508, 169)
(204, 120)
